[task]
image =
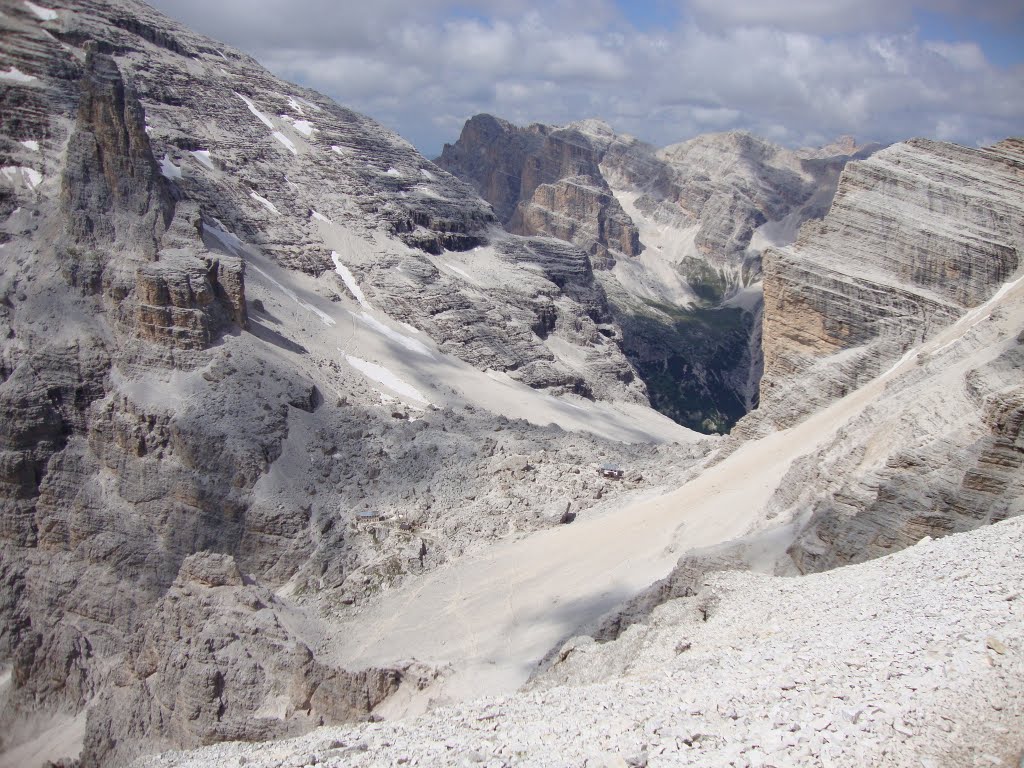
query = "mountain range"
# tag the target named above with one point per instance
(304, 429)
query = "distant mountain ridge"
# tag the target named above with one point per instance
(674, 234)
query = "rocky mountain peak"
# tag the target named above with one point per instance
(112, 187)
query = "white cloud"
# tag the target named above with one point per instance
(793, 71)
(832, 17)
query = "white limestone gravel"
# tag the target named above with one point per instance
(916, 659)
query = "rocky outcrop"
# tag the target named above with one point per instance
(175, 294)
(577, 210)
(217, 661)
(543, 180)
(111, 189)
(917, 234)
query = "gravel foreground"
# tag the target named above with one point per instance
(916, 659)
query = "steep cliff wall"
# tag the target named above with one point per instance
(546, 180)
(916, 235)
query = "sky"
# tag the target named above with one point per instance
(798, 72)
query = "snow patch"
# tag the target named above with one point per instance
(410, 328)
(778, 233)
(31, 144)
(426, 174)
(203, 156)
(228, 239)
(288, 143)
(349, 280)
(266, 203)
(29, 176)
(297, 103)
(320, 217)
(393, 172)
(410, 344)
(168, 169)
(748, 299)
(384, 376)
(15, 75)
(559, 401)
(252, 108)
(304, 127)
(43, 14)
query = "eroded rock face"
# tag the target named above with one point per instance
(544, 180)
(917, 484)
(216, 661)
(730, 184)
(917, 234)
(674, 235)
(111, 188)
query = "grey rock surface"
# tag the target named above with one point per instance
(217, 660)
(199, 476)
(162, 405)
(917, 235)
(920, 666)
(546, 180)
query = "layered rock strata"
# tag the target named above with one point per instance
(544, 180)
(918, 234)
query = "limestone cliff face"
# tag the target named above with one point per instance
(557, 181)
(111, 187)
(890, 482)
(544, 180)
(916, 235)
(921, 236)
(216, 661)
(729, 184)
